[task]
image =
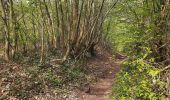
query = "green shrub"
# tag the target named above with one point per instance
(138, 79)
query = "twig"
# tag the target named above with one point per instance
(167, 67)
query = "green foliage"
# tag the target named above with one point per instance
(138, 78)
(72, 73)
(133, 33)
(53, 80)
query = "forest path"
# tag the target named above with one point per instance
(104, 66)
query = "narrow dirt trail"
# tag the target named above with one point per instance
(104, 67)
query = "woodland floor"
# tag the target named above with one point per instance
(22, 81)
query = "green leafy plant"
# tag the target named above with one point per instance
(53, 79)
(138, 79)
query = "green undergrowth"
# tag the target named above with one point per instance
(139, 78)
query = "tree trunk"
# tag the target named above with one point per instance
(6, 30)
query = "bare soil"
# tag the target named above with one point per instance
(104, 67)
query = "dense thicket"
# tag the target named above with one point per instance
(145, 75)
(73, 26)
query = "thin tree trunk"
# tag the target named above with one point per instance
(7, 33)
